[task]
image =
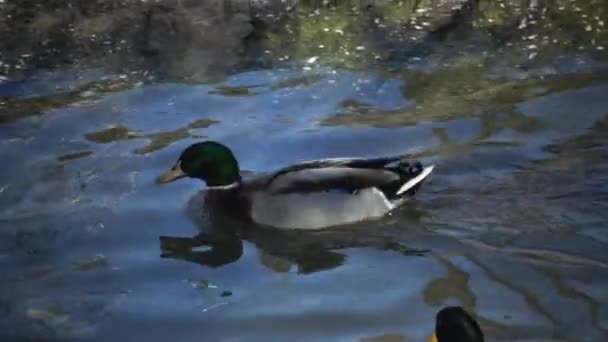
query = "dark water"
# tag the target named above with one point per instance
(513, 218)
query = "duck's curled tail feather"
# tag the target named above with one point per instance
(412, 183)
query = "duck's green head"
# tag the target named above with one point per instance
(454, 324)
(209, 161)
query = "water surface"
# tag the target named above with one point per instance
(511, 225)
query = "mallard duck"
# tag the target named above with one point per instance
(308, 195)
(454, 324)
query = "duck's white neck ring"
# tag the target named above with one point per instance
(223, 187)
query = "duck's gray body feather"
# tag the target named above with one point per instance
(318, 209)
(329, 192)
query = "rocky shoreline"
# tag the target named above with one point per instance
(178, 37)
(202, 40)
(185, 39)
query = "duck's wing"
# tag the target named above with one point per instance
(347, 174)
(330, 178)
(367, 163)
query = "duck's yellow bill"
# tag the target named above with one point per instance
(432, 338)
(176, 172)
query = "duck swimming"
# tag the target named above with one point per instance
(454, 324)
(308, 195)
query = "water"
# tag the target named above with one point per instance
(512, 220)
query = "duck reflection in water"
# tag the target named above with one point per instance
(222, 234)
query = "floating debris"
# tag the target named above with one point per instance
(95, 228)
(201, 284)
(72, 156)
(214, 306)
(98, 261)
(231, 91)
(523, 24)
(313, 59)
(88, 93)
(48, 316)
